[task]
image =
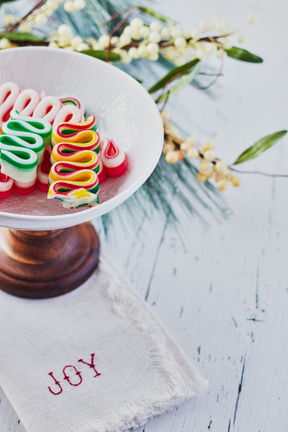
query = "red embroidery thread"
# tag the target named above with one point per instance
(91, 365)
(57, 383)
(66, 377)
(77, 372)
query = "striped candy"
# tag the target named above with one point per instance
(73, 177)
(26, 127)
(102, 173)
(75, 142)
(33, 142)
(68, 113)
(43, 170)
(69, 172)
(20, 164)
(71, 196)
(30, 103)
(83, 134)
(48, 108)
(71, 100)
(6, 186)
(26, 102)
(22, 148)
(113, 158)
(74, 187)
(83, 159)
(8, 95)
(70, 128)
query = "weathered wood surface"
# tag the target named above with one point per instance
(222, 290)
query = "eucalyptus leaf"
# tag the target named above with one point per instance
(260, 146)
(155, 14)
(181, 82)
(243, 55)
(23, 37)
(5, 1)
(184, 69)
(102, 54)
(137, 79)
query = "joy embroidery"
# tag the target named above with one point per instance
(72, 375)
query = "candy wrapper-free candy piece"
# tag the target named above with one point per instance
(8, 95)
(68, 113)
(26, 127)
(74, 188)
(83, 159)
(26, 102)
(6, 186)
(48, 108)
(113, 158)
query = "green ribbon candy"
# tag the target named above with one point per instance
(32, 142)
(17, 162)
(27, 127)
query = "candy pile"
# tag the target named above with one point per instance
(21, 151)
(30, 103)
(68, 161)
(73, 176)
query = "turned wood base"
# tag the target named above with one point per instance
(42, 264)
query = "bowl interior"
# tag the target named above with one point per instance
(124, 112)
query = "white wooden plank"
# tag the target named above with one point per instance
(9, 421)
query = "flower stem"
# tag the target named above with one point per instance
(257, 172)
(217, 75)
(123, 20)
(15, 26)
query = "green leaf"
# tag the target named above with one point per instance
(23, 37)
(181, 82)
(137, 79)
(5, 1)
(243, 55)
(155, 14)
(176, 71)
(102, 54)
(260, 146)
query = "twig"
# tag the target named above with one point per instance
(130, 12)
(210, 74)
(213, 38)
(177, 141)
(217, 75)
(15, 26)
(164, 103)
(257, 172)
(116, 15)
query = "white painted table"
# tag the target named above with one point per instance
(222, 290)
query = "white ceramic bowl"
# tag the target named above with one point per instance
(123, 109)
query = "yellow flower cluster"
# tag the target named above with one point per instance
(74, 5)
(139, 40)
(38, 16)
(209, 165)
(5, 43)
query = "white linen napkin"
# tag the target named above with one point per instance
(94, 360)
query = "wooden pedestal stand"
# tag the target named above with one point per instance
(42, 264)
